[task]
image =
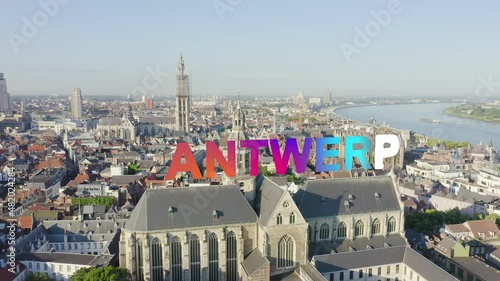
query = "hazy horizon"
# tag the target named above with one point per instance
(264, 48)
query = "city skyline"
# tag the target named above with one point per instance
(262, 48)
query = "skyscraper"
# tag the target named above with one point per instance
(148, 102)
(182, 99)
(5, 106)
(327, 97)
(76, 104)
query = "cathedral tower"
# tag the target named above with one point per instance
(182, 99)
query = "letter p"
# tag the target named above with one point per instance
(382, 152)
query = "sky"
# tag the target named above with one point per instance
(263, 48)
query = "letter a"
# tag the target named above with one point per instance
(176, 166)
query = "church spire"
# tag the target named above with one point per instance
(238, 106)
(239, 117)
(181, 66)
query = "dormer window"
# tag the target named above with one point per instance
(350, 197)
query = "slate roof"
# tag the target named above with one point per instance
(270, 196)
(323, 198)
(478, 268)
(377, 257)
(111, 121)
(424, 267)
(125, 179)
(152, 211)
(359, 259)
(68, 258)
(358, 244)
(254, 262)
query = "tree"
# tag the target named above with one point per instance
(108, 273)
(265, 172)
(494, 217)
(133, 169)
(98, 200)
(38, 277)
(431, 220)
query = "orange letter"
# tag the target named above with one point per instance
(176, 165)
(213, 153)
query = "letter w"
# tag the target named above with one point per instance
(291, 148)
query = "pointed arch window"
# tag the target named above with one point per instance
(176, 258)
(324, 232)
(342, 231)
(359, 228)
(292, 218)
(140, 261)
(391, 225)
(194, 258)
(213, 258)
(156, 260)
(376, 227)
(279, 219)
(285, 252)
(232, 258)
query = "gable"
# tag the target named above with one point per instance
(274, 201)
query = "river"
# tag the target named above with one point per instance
(407, 117)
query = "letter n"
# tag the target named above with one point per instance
(176, 166)
(213, 153)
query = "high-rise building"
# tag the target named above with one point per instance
(182, 99)
(327, 97)
(76, 104)
(5, 106)
(148, 102)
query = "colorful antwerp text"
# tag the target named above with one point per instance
(386, 146)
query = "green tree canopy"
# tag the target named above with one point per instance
(431, 220)
(108, 273)
(99, 200)
(38, 277)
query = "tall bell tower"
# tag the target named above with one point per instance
(182, 99)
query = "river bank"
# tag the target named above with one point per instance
(452, 111)
(408, 117)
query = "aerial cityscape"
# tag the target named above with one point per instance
(225, 149)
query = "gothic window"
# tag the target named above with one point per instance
(213, 258)
(279, 219)
(140, 261)
(176, 258)
(391, 225)
(156, 260)
(309, 233)
(285, 252)
(194, 258)
(292, 218)
(324, 232)
(342, 231)
(359, 228)
(232, 259)
(376, 227)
